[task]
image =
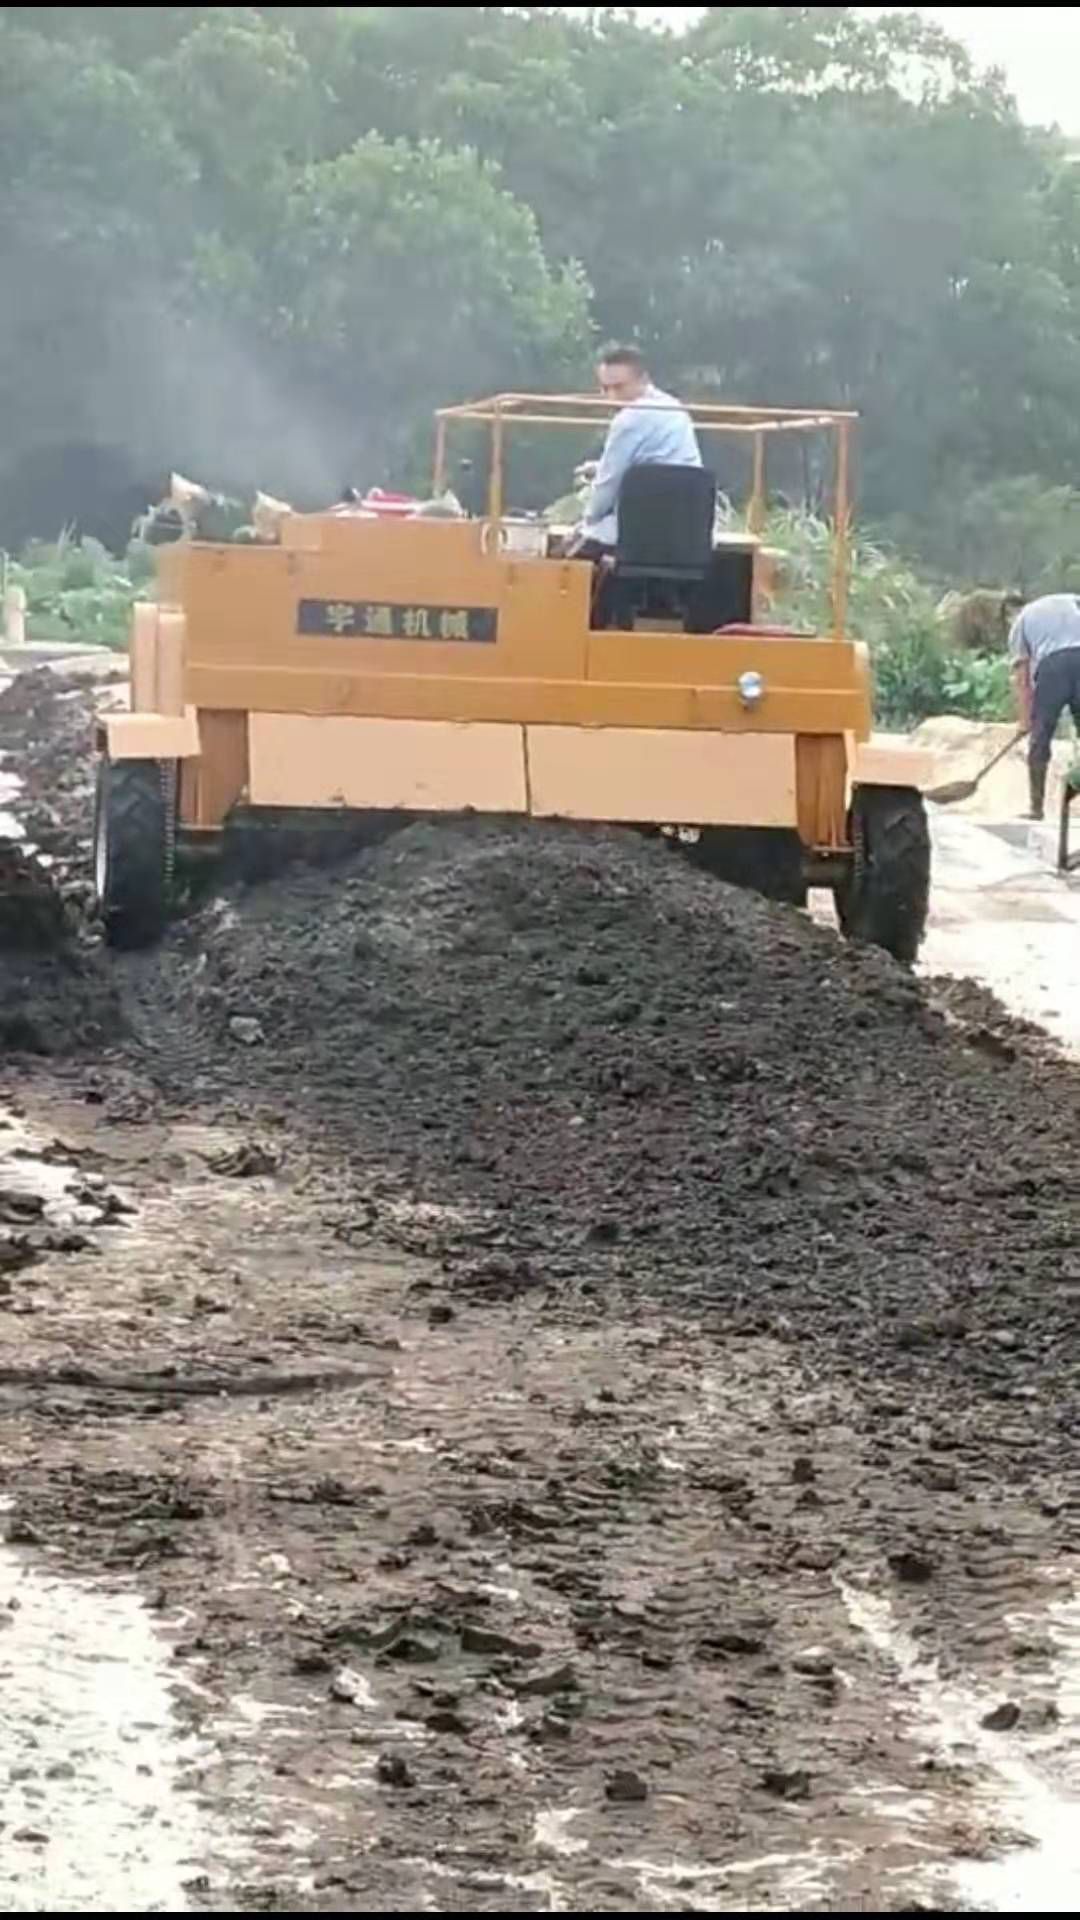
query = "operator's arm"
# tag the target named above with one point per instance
(1020, 663)
(617, 457)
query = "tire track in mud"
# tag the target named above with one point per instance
(196, 1386)
(655, 1512)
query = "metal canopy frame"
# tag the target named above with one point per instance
(505, 410)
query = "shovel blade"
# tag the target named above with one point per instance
(954, 790)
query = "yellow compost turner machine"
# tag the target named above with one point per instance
(423, 665)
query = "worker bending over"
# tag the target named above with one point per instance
(1044, 648)
(652, 428)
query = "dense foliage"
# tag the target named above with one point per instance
(260, 243)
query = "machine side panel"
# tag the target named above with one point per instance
(699, 779)
(412, 598)
(419, 766)
(360, 628)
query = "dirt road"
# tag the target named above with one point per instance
(530, 1383)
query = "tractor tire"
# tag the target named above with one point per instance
(885, 899)
(761, 859)
(134, 839)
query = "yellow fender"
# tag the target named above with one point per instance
(150, 736)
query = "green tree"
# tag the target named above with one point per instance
(1015, 533)
(95, 196)
(246, 106)
(405, 274)
(807, 204)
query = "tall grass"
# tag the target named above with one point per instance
(916, 670)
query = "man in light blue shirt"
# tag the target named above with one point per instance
(650, 429)
(1044, 650)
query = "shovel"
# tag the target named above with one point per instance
(954, 790)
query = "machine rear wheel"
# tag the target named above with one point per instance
(134, 833)
(886, 898)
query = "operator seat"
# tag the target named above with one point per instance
(665, 543)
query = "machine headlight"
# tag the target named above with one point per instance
(751, 688)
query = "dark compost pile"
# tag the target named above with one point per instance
(606, 1066)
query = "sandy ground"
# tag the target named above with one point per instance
(498, 1606)
(1004, 916)
(1001, 912)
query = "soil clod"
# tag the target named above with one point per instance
(626, 1788)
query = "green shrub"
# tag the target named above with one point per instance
(76, 591)
(916, 672)
(979, 685)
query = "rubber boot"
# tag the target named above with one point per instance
(1037, 789)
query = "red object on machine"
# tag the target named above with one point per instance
(389, 506)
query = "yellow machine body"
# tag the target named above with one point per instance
(412, 664)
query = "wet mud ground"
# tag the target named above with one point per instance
(571, 1356)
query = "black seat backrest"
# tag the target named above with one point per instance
(666, 519)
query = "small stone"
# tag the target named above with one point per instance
(732, 1640)
(113, 1205)
(816, 1559)
(604, 1232)
(392, 1770)
(1044, 1713)
(21, 1533)
(556, 1680)
(487, 1640)
(16, 1252)
(308, 1660)
(18, 1205)
(787, 1783)
(1033, 1647)
(349, 1687)
(742, 1705)
(940, 1480)
(425, 1535)
(912, 1334)
(803, 1470)
(63, 1240)
(445, 1720)
(247, 1032)
(60, 1770)
(31, 1836)
(249, 1161)
(1001, 1719)
(626, 1787)
(440, 1314)
(592, 973)
(412, 1646)
(553, 1726)
(814, 1663)
(912, 1566)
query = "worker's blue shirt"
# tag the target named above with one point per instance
(1046, 626)
(656, 431)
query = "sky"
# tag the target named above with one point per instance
(1039, 48)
